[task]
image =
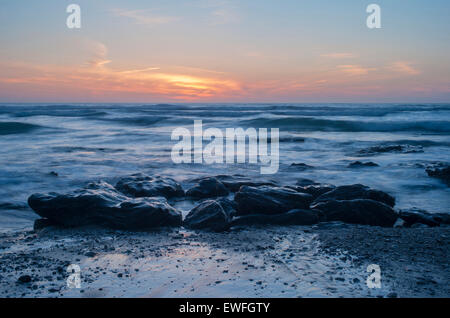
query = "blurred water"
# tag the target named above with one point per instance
(88, 142)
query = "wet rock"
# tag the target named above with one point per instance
(101, 204)
(301, 166)
(209, 215)
(90, 254)
(140, 185)
(442, 218)
(390, 148)
(40, 224)
(228, 206)
(207, 188)
(356, 191)
(24, 279)
(314, 190)
(235, 182)
(293, 217)
(414, 215)
(359, 164)
(270, 200)
(440, 173)
(361, 211)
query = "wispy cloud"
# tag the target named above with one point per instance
(100, 52)
(403, 67)
(355, 69)
(221, 11)
(144, 17)
(339, 55)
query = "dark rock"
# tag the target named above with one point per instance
(270, 200)
(365, 212)
(314, 190)
(140, 185)
(90, 254)
(207, 188)
(24, 279)
(442, 218)
(390, 148)
(101, 204)
(440, 173)
(209, 215)
(356, 191)
(293, 217)
(301, 166)
(228, 206)
(235, 182)
(359, 164)
(414, 215)
(40, 224)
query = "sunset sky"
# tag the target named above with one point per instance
(224, 51)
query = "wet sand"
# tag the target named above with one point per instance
(326, 260)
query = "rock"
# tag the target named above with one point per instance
(442, 218)
(301, 166)
(235, 182)
(391, 295)
(361, 211)
(24, 279)
(207, 188)
(390, 148)
(101, 204)
(270, 200)
(209, 215)
(140, 185)
(414, 215)
(440, 173)
(314, 190)
(359, 164)
(356, 191)
(40, 224)
(228, 206)
(293, 217)
(90, 254)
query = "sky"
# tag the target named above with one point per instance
(153, 51)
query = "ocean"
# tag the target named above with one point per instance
(51, 147)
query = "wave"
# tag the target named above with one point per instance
(315, 124)
(10, 128)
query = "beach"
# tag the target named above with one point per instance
(326, 260)
(356, 186)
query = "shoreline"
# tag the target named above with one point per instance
(325, 260)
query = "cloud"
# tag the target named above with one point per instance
(403, 67)
(175, 83)
(144, 17)
(221, 11)
(355, 69)
(339, 55)
(100, 52)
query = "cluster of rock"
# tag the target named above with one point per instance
(442, 173)
(140, 202)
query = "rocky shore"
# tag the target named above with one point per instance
(141, 202)
(241, 238)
